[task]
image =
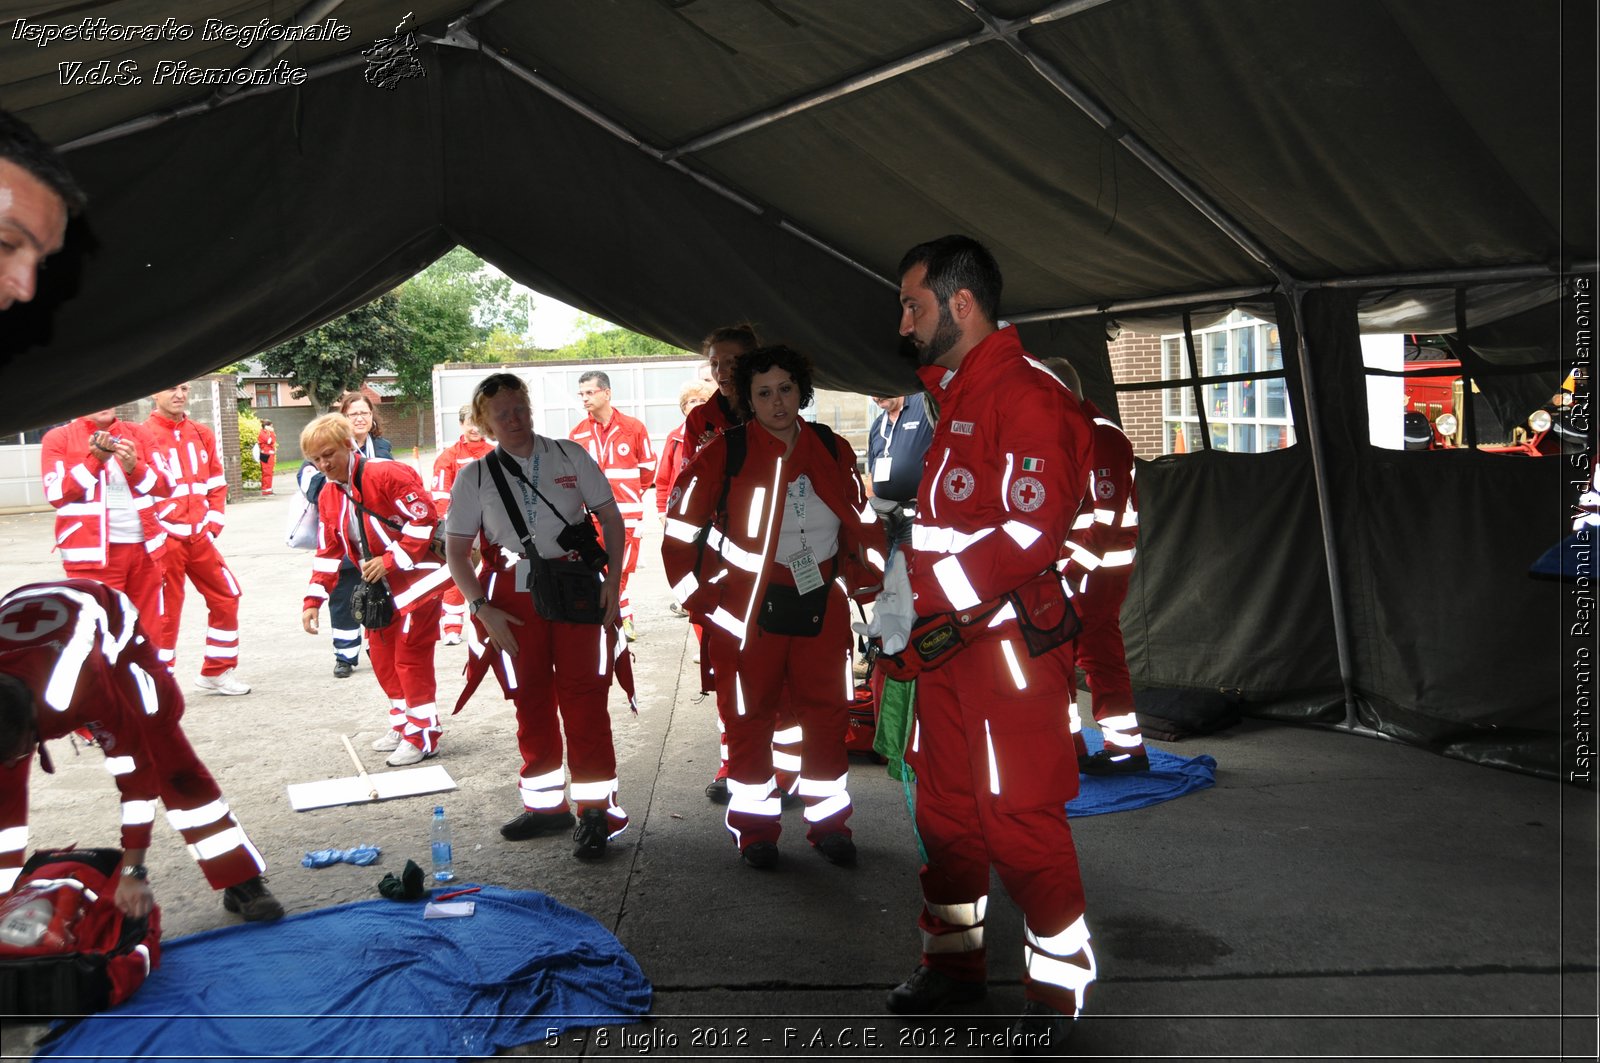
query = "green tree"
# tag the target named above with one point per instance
(340, 355)
(602, 339)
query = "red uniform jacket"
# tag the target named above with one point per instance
(393, 491)
(674, 457)
(186, 454)
(622, 450)
(267, 442)
(75, 483)
(704, 422)
(448, 465)
(723, 583)
(76, 644)
(1004, 475)
(1107, 525)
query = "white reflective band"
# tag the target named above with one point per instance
(1130, 517)
(828, 806)
(138, 813)
(965, 914)
(317, 591)
(225, 841)
(218, 634)
(189, 819)
(876, 559)
(79, 509)
(1082, 521)
(1002, 614)
(785, 761)
(13, 839)
(944, 540)
(146, 482)
(426, 715)
(1117, 558)
(418, 531)
(1104, 516)
(994, 764)
(222, 653)
(345, 632)
(685, 587)
(1005, 485)
(1024, 535)
(144, 954)
(402, 560)
(755, 799)
(1122, 731)
(508, 667)
(728, 622)
(822, 787)
(543, 800)
(752, 519)
(1051, 971)
(683, 503)
(967, 940)
(174, 528)
(542, 782)
(215, 517)
(8, 878)
(594, 791)
(603, 660)
(953, 581)
(119, 765)
(787, 736)
(1015, 665)
(1074, 718)
(84, 553)
(680, 530)
(1083, 556)
(214, 483)
(180, 491)
(166, 656)
(82, 474)
(1066, 943)
(324, 564)
(422, 586)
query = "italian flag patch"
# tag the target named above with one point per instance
(1032, 465)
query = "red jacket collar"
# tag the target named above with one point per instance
(991, 352)
(163, 422)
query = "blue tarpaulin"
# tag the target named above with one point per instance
(376, 980)
(1169, 776)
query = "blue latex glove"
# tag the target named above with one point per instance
(361, 856)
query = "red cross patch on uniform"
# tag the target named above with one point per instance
(1104, 488)
(1027, 494)
(31, 618)
(415, 506)
(623, 450)
(958, 484)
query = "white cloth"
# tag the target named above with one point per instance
(893, 614)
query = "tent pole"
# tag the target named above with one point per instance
(1319, 474)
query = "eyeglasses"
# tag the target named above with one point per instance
(361, 416)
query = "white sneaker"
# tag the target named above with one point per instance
(388, 743)
(226, 683)
(406, 753)
(452, 639)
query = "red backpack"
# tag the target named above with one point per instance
(65, 948)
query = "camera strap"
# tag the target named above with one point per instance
(514, 508)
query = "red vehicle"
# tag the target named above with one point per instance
(1434, 402)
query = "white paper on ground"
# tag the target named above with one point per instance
(449, 909)
(409, 782)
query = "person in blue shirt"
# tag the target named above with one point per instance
(899, 438)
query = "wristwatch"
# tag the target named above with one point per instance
(137, 871)
(477, 603)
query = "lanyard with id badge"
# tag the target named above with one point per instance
(797, 610)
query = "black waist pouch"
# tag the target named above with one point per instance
(785, 611)
(1044, 613)
(566, 591)
(373, 605)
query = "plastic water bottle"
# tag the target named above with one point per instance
(442, 862)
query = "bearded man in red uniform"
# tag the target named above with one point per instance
(991, 745)
(192, 515)
(451, 460)
(620, 445)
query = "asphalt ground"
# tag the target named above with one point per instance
(1332, 897)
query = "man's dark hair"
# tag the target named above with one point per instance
(19, 144)
(266, 423)
(956, 262)
(18, 728)
(598, 377)
(744, 335)
(777, 356)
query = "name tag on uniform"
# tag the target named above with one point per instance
(807, 575)
(880, 468)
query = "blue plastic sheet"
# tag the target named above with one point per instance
(1170, 776)
(373, 980)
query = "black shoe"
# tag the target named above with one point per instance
(532, 824)
(839, 849)
(763, 856)
(590, 836)
(1042, 1030)
(927, 992)
(789, 800)
(717, 791)
(1106, 762)
(342, 669)
(252, 900)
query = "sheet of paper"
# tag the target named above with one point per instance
(449, 909)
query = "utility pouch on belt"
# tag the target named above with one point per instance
(373, 604)
(1044, 616)
(565, 590)
(785, 611)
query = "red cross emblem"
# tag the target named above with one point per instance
(959, 484)
(32, 618)
(1027, 494)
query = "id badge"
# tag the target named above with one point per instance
(807, 574)
(880, 469)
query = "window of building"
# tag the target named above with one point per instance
(266, 395)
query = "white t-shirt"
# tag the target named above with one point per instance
(566, 475)
(121, 516)
(807, 523)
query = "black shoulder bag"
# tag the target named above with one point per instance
(372, 602)
(563, 590)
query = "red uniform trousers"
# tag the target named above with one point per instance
(1100, 653)
(995, 768)
(129, 568)
(402, 659)
(268, 459)
(630, 561)
(782, 687)
(560, 681)
(199, 559)
(454, 611)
